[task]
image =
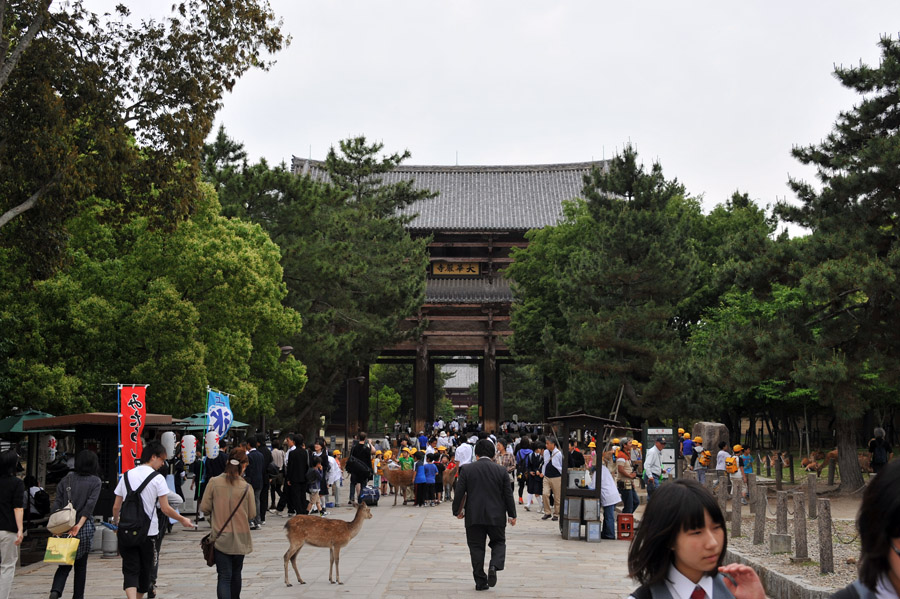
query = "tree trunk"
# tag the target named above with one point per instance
(848, 463)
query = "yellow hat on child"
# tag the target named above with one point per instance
(337, 452)
(698, 439)
(687, 435)
(615, 441)
(592, 444)
(738, 448)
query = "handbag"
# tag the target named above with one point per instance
(62, 519)
(61, 550)
(208, 544)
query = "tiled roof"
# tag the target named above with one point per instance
(467, 291)
(482, 198)
(466, 375)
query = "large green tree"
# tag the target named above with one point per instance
(847, 329)
(99, 105)
(179, 310)
(598, 295)
(351, 268)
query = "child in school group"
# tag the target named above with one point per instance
(679, 548)
(439, 477)
(431, 471)
(314, 482)
(377, 464)
(421, 479)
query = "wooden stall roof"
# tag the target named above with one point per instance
(95, 418)
(581, 417)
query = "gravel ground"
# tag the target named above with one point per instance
(844, 542)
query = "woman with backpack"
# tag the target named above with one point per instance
(535, 484)
(880, 451)
(82, 488)
(678, 549)
(228, 499)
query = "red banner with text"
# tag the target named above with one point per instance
(132, 414)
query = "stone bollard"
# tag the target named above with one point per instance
(781, 513)
(752, 490)
(759, 523)
(736, 497)
(801, 551)
(826, 551)
(722, 494)
(811, 490)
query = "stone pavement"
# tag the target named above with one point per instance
(402, 551)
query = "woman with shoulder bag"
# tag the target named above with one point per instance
(82, 488)
(231, 506)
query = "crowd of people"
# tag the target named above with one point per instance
(677, 551)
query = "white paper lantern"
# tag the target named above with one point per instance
(212, 445)
(168, 441)
(51, 447)
(189, 449)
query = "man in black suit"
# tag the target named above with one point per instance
(295, 475)
(484, 498)
(254, 475)
(262, 448)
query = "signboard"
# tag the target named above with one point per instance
(668, 452)
(218, 412)
(456, 269)
(132, 414)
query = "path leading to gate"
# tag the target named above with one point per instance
(400, 552)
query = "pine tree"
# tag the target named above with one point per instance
(852, 259)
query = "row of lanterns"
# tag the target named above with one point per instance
(189, 445)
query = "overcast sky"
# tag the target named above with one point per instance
(718, 92)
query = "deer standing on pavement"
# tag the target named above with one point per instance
(322, 532)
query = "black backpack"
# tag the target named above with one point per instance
(134, 523)
(42, 502)
(880, 455)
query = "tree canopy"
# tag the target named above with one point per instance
(97, 105)
(351, 268)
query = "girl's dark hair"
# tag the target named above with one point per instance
(524, 443)
(233, 471)
(722, 444)
(676, 506)
(878, 522)
(86, 463)
(9, 459)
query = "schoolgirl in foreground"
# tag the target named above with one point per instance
(679, 546)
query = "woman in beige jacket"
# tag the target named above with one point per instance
(225, 494)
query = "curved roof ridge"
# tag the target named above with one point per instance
(475, 168)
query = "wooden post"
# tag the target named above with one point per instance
(779, 473)
(759, 522)
(791, 466)
(736, 496)
(722, 494)
(831, 466)
(801, 551)
(826, 551)
(811, 490)
(752, 490)
(769, 467)
(781, 513)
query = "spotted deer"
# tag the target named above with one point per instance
(322, 532)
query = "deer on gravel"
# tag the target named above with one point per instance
(322, 532)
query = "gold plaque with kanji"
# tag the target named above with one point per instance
(456, 269)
